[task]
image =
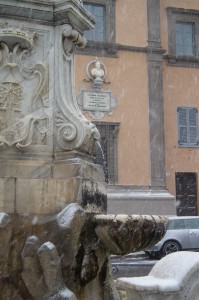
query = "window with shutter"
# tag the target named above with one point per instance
(187, 126)
(107, 155)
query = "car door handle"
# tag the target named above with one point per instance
(192, 233)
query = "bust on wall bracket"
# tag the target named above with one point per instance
(97, 101)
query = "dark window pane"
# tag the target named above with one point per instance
(185, 39)
(177, 225)
(98, 11)
(98, 33)
(193, 224)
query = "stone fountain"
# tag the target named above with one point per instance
(56, 238)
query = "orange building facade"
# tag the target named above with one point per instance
(150, 49)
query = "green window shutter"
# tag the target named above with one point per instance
(193, 125)
(182, 126)
(187, 126)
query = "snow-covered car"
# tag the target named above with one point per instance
(182, 234)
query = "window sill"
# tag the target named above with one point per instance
(182, 61)
(188, 146)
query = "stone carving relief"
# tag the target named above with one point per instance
(23, 100)
(74, 131)
(24, 103)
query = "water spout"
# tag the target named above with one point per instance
(104, 162)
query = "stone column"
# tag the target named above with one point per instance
(155, 85)
(46, 143)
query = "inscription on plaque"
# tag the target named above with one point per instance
(96, 101)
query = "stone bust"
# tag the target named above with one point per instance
(97, 71)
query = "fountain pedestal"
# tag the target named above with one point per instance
(55, 240)
(46, 143)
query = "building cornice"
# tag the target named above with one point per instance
(183, 10)
(48, 12)
(111, 49)
(182, 61)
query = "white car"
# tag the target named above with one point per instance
(182, 234)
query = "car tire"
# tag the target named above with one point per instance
(170, 247)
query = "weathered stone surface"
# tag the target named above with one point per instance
(174, 277)
(45, 141)
(25, 169)
(65, 255)
(32, 273)
(51, 266)
(50, 195)
(123, 234)
(7, 194)
(5, 239)
(46, 195)
(77, 167)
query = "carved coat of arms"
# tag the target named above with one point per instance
(22, 99)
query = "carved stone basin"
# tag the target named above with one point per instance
(122, 234)
(45, 255)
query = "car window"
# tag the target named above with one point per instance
(177, 224)
(193, 223)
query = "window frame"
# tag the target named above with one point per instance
(108, 46)
(104, 20)
(112, 149)
(181, 15)
(193, 47)
(177, 224)
(193, 223)
(187, 143)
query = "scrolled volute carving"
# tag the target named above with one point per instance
(67, 132)
(72, 38)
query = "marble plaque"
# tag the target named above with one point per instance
(96, 101)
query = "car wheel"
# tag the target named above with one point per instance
(170, 247)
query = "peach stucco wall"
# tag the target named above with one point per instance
(128, 77)
(131, 25)
(181, 88)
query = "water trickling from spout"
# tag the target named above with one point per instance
(104, 162)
